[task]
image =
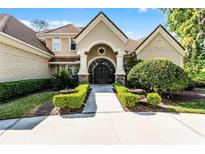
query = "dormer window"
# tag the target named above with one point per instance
(73, 46)
(56, 44)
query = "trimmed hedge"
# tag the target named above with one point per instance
(153, 99)
(126, 98)
(17, 88)
(119, 88)
(74, 100)
(159, 75)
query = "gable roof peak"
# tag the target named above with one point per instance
(160, 25)
(163, 31)
(101, 13)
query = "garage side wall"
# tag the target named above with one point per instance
(16, 64)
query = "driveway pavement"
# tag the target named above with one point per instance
(101, 126)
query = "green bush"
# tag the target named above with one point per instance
(198, 80)
(159, 75)
(126, 98)
(153, 99)
(17, 88)
(130, 65)
(74, 81)
(63, 78)
(74, 100)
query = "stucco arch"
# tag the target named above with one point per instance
(95, 58)
(94, 43)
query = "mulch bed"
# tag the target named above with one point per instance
(49, 109)
(184, 96)
(144, 107)
(141, 107)
(166, 100)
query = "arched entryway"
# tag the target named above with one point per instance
(101, 71)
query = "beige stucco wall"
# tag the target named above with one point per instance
(101, 32)
(93, 54)
(64, 47)
(167, 51)
(16, 64)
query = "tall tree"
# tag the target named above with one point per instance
(39, 24)
(189, 26)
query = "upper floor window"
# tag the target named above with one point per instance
(73, 46)
(56, 44)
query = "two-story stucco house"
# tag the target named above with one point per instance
(96, 52)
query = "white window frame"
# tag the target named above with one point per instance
(70, 45)
(53, 44)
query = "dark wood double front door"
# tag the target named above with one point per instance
(101, 72)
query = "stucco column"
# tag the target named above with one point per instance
(120, 72)
(83, 73)
(120, 63)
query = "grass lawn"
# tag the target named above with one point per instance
(22, 107)
(189, 107)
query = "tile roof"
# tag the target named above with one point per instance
(16, 29)
(70, 28)
(131, 45)
(40, 34)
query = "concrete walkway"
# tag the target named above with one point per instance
(102, 99)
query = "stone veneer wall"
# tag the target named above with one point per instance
(120, 79)
(83, 78)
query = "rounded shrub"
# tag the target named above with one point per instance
(159, 75)
(153, 99)
(128, 99)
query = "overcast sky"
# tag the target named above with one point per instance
(136, 23)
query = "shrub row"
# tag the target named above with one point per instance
(126, 98)
(17, 88)
(74, 100)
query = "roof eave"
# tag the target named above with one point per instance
(11, 38)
